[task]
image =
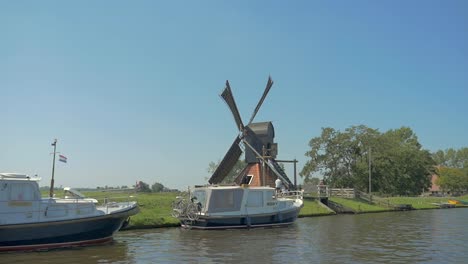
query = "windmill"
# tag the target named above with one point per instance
(260, 150)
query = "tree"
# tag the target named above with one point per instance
(402, 167)
(143, 187)
(398, 163)
(340, 156)
(312, 181)
(452, 158)
(236, 170)
(157, 187)
(454, 180)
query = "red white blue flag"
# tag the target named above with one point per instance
(62, 158)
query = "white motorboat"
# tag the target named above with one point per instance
(231, 207)
(29, 222)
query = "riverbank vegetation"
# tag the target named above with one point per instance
(389, 203)
(359, 206)
(313, 208)
(425, 202)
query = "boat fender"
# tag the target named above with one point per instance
(248, 221)
(45, 211)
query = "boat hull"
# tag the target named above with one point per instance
(243, 221)
(66, 233)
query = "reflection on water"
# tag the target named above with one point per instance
(431, 236)
(115, 252)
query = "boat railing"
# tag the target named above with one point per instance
(118, 199)
(108, 200)
(110, 203)
(294, 194)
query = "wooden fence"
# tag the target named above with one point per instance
(344, 193)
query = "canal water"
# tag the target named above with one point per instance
(428, 236)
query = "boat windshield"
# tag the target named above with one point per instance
(72, 194)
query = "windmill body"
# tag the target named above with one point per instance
(250, 201)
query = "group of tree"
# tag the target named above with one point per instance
(452, 169)
(156, 187)
(397, 162)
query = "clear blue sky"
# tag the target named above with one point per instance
(131, 89)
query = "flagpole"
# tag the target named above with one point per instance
(51, 192)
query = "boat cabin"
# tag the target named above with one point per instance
(234, 199)
(21, 201)
(18, 187)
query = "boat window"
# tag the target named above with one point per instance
(226, 200)
(200, 197)
(22, 192)
(56, 210)
(255, 199)
(84, 209)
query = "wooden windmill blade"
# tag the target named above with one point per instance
(267, 89)
(228, 162)
(229, 99)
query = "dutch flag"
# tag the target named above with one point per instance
(62, 158)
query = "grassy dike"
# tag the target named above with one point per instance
(155, 208)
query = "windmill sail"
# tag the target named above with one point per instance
(228, 162)
(229, 99)
(267, 89)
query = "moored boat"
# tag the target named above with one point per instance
(233, 207)
(457, 202)
(29, 222)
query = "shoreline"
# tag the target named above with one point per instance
(170, 225)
